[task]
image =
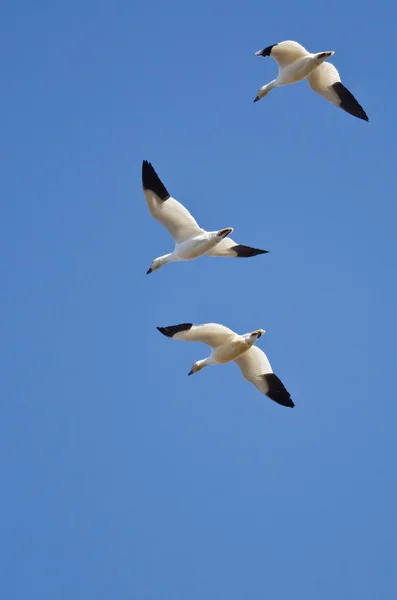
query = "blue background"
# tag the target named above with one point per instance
(120, 476)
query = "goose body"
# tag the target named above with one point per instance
(191, 241)
(296, 63)
(229, 346)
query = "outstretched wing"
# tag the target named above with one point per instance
(256, 368)
(227, 248)
(284, 53)
(165, 209)
(211, 333)
(325, 80)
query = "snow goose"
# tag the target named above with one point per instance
(228, 346)
(190, 240)
(296, 63)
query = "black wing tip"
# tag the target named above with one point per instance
(171, 330)
(151, 181)
(265, 51)
(348, 102)
(277, 391)
(247, 251)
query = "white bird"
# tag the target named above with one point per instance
(228, 346)
(296, 63)
(191, 241)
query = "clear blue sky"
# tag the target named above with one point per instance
(120, 476)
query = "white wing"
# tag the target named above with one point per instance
(229, 249)
(212, 334)
(287, 52)
(168, 211)
(325, 80)
(254, 364)
(256, 368)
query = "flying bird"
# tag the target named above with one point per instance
(191, 241)
(228, 346)
(296, 63)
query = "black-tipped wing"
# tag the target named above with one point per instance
(172, 330)
(284, 53)
(277, 390)
(165, 209)
(325, 80)
(152, 182)
(212, 334)
(256, 368)
(348, 102)
(246, 251)
(227, 248)
(265, 51)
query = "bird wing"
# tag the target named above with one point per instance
(287, 52)
(212, 334)
(325, 80)
(165, 209)
(256, 368)
(229, 249)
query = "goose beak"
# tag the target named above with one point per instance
(148, 272)
(256, 99)
(191, 373)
